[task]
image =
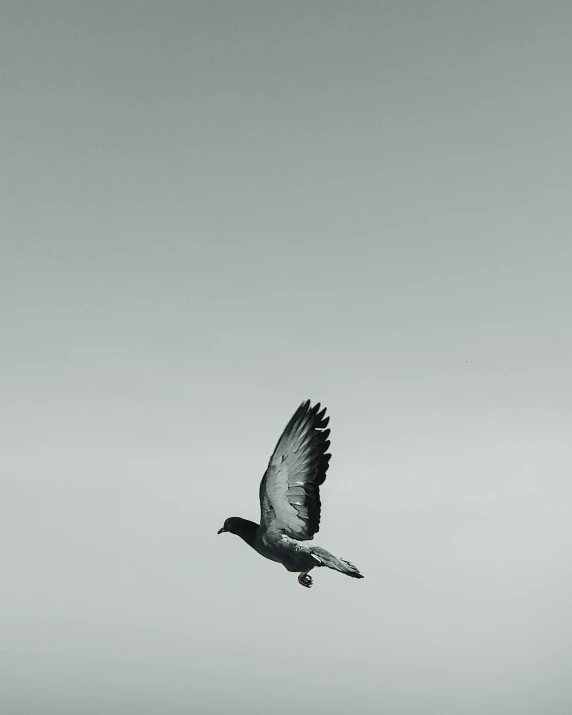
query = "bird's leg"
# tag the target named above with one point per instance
(305, 580)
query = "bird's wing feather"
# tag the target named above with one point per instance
(290, 488)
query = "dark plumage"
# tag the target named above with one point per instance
(290, 499)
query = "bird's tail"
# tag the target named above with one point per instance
(333, 562)
(347, 568)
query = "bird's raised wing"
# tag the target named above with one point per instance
(290, 488)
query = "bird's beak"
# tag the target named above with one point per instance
(221, 531)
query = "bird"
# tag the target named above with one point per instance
(290, 506)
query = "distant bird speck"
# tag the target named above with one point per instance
(290, 499)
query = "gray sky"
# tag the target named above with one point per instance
(214, 210)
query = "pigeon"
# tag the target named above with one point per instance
(290, 499)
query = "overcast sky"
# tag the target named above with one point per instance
(211, 211)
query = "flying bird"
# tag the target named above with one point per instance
(290, 499)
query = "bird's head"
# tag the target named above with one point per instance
(241, 527)
(232, 525)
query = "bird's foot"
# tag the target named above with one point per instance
(305, 580)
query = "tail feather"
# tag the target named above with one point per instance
(333, 562)
(348, 569)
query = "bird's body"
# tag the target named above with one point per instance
(290, 499)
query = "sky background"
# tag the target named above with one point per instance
(211, 211)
